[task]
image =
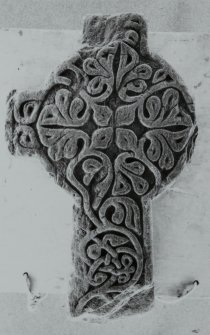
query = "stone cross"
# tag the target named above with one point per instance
(114, 126)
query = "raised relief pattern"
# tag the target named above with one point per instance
(115, 126)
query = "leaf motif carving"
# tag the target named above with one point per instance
(102, 115)
(126, 139)
(159, 75)
(125, 115)
(102, 138)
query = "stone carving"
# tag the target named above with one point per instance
(114, 125)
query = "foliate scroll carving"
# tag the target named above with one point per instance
(114, 126)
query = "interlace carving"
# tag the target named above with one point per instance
(115, 126)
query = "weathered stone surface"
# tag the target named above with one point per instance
(115, 125)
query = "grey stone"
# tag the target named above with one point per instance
(114, 126)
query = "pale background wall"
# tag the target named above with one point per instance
(36, 228)
(162, 15)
